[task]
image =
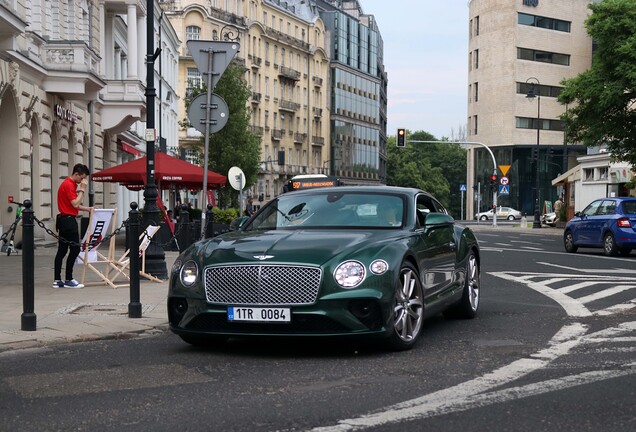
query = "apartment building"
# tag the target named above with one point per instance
(282, 46)
(72, 91)
(520, 48)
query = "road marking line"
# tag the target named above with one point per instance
(561, 343)
(572, 307)
(606, 293)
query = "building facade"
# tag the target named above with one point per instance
(282, 46)
(72, 91)
(358, 93)
(517, 48)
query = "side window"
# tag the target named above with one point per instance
(591, 209)
(425, 205)
(607, 207)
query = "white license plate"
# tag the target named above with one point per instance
(241, 313)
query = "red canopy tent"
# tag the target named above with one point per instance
(169, 171)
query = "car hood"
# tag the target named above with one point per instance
(298, 246)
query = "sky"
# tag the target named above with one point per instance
(426, 58)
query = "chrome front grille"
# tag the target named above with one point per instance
(256, 284)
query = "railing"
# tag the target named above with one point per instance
(289, 73)
(277, 134)
(317, 81)
(257, 130)
(288, 105)
(300, 137)
(256, 97)
(317, 140)
(317, 111)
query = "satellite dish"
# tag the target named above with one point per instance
(236, 178)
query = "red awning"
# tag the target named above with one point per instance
(169, 171)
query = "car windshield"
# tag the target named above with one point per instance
(330, 209)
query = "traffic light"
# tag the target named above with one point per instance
(401, 138)
(494, 181)
(535, 153)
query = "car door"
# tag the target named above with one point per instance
(601, 219)
(583, 231)
(436, 251)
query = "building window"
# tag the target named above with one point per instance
(544, 90)
(545, 124)
(477, 26)
(476, 87)
(193, 33)
(476, 124)
(543, 22)
(542, 56)
(194, 81)
(476, 58)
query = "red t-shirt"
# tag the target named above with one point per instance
(65, 194)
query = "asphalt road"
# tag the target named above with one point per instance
(552, 349)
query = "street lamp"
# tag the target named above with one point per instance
(535, 90)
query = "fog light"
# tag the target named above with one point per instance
(177, 308)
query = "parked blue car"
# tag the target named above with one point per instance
(608, 223)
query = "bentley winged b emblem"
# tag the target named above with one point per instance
(263, 257)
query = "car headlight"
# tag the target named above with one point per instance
(349, 274)
(189, 273)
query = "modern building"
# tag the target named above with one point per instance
(358, 93)
(518, 49)
(72, 91)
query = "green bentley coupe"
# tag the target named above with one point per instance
(371, 261)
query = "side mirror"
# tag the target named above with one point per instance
(437, 219)
(238, 222)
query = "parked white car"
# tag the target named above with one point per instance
(549, 219)
(502, 213)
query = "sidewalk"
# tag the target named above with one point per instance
(70, 315)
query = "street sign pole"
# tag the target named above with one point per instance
(203, 54)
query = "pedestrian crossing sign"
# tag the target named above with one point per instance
(504, 190)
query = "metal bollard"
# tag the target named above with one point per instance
(28, 318)
(184, 228)
(134, 307)
(209, 222)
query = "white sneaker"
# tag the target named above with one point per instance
(58, 284)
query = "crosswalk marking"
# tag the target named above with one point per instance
(609, 286)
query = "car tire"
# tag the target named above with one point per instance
(483, 217)
(511, 218)
(568, 242)
(609, 245)
(624, 251)
(408, 309)
(467, 307)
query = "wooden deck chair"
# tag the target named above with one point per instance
(122, 264)
(100, 225)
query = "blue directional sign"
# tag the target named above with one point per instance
(504, 190)
(462, 187)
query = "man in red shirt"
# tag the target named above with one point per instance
(69, 202)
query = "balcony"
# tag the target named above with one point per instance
(256, 97)
(289, 73)
(280, 36)
(317, 112)
(277, 134)
(290, 106)
(227, 17)
(124, 102)
(255, 61)
(317, 141)
(257, 130)
(300, 138)
(73, 70)
(317, 81)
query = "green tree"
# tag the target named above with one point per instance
(235, 144)
(604, 95)
(436, 168)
